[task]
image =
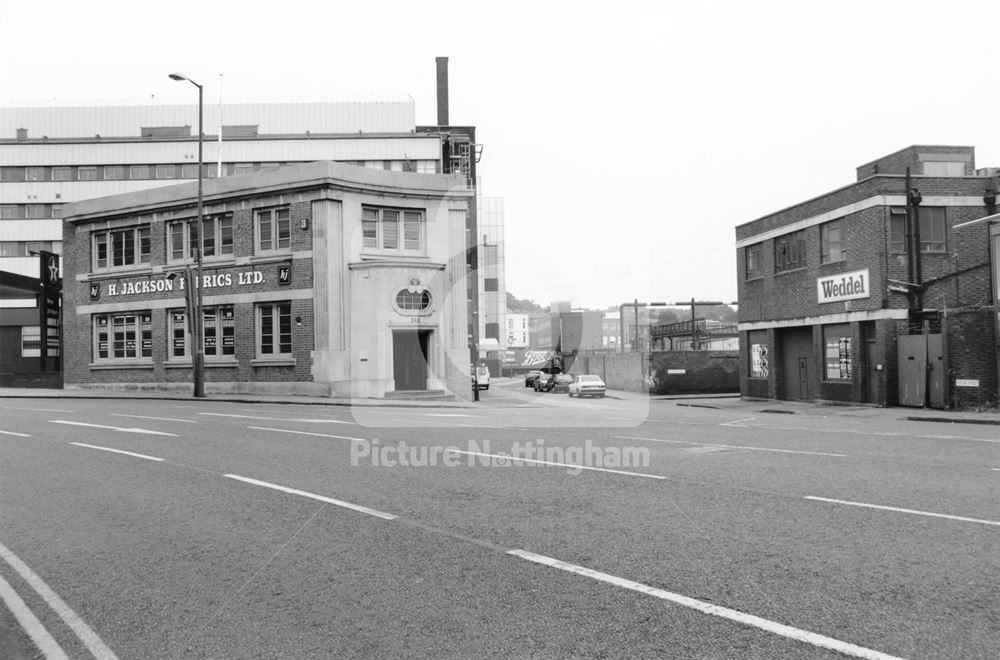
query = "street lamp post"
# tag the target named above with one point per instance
(199, 317)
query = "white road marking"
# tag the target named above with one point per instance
(162, 419)
(20, 435)
(709, 444)
(321, 498)
(738, 422)
(898, 510)
(40, 637)
(318, 435)
(743, 618)
(90, 639)
(117, 451)
(445, 415)
(282, 419)
(113, 428)
(515, 459)
(44, 409)
(878, 434)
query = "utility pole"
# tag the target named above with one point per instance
(694, 331)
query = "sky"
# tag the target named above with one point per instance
(626, 138)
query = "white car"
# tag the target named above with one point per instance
(587, 385)
(483, 377)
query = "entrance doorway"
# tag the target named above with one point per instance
(798, 371)
(409, 358)
(921, 371)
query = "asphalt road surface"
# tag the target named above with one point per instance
(626, 528)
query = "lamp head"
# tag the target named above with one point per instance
(177, 76)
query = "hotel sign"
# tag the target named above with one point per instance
(844, 286)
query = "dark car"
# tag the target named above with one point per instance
(553, 383)
(531, 377)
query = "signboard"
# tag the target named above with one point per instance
(285, 273)
(758, 361)
(968, 382)
(844, 286)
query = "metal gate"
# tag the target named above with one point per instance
(921, 370)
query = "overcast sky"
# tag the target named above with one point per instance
(626, 138)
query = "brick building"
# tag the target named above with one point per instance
(320, 278)
(877, 292)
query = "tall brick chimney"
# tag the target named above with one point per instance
(442, 90)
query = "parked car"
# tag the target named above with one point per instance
(483, 377)
(587, 385)
(531, 377)
(553, 383)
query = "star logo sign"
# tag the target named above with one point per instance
(53, 269)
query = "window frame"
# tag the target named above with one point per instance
(938, 215)
(753, 266)
(794, 242)
(271, 217)
(393, 230)
(223, 238)
(219, 319)
(276, 315)
(62, 173)
(31, 341)
(826, 244)
(140, 329)
(141, 248)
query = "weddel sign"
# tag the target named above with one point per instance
(844, 286)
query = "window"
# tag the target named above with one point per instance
(34, 211)
(273, 230)
(274, 329)
(392, 229)
(491, 284)
(933, 228)
(220, 332)
(837, 352)
(57, 210)
(897, 230)
(123, 336)
(8, 212)
(113, 172)
(34, 174)
(139, 172)
(31, 341)
(116, 248)
(243, 168)
(87, 173)
(413, 300)
(182, 238)
(189, 171)
(790, 252)
(166, 172)
(944, 168)
(832, 243)
(754, 260)
(61, 173)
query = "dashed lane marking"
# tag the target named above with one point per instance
(318, 435)
(515, 459)
(90, 639)
(708, 444)
(899, 510)
(41, 409)
(41, 638)
(113, 428)
(20, 435)
(313, 496)
(117, 451)
(162, 419)
(766, 625)
(282, 419)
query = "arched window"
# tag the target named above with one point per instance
(413, 301)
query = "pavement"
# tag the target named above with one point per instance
(497, 398)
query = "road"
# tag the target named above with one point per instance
(138, 528)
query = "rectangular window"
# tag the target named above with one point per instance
(166, 172)
(754, 260)
(933, 228)
(189, 171)
(897, 230)
(117, 248)
(57, 210)
(114, 172)
(182, 238)
(220, 332)
(274, 329)
(34, 174)
(944, 168)
(832, 243)
(790, 252)
(392, 229)
(273, 230)
(491, 284)
(34, 211)
(87, 173)
(61, 173)
(837, 351)
(139, 172)
(8, 212)
(127, 336)
(243, 168)
(31, 341)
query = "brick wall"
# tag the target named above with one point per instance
(971, 356)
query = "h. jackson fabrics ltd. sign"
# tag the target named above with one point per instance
(844, 286)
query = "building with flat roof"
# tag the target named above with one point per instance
(322, 279)
(878, 292)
